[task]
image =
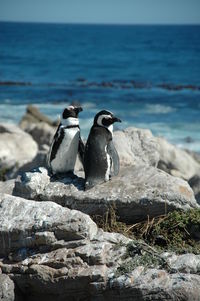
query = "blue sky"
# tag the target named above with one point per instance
(102, 11)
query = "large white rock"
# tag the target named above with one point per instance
(16, 146)
(176, 161)
(30, 224)
(136, 193)
(136, 147)
(53, 253)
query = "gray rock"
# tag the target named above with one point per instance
(41, 132)
(39, 126)
(7, 186)
(176, 161)
(16, 147)
(6, 288)
(154, 284)
(194, 182)
(82, 266)
(186, 263)
(25, 225)
(136, 193)
(136, 147)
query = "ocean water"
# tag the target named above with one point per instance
(149, 76)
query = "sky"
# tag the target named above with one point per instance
(102, 11)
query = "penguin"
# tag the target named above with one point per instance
(66, 143)
(101, 159)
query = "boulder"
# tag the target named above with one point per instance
(16, 147)
(27, 225)
(194, 182)
(176, 161)
(33, 115)
(154, 284)
(7, 186)
(136, 147)
(135, 193)
(41, 132)
(39, 126)
(6, 288)
(54, 253)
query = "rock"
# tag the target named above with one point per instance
(16, 147)
(186, 263)
(136, 147)
(6, 288)
(39, 126)
(27, 225)
(72, 259)
(33, 115)
(54, 253)
(194, 182)
(176, 161)
(154, 284)
(136, 193)
(7, 186)
(41, 132)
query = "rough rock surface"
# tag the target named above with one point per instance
(6, 288)
(16, 147)
(194, 182)
(135, 193)
(7, 186)
(136, 147)
(41, 132)
(29, 224)
(176, 161)
(39, 126)
(47, 263)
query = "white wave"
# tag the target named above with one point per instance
(158, 109)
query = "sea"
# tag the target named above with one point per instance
(148, 76)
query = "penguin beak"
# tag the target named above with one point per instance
(78, 110)
(115, 119)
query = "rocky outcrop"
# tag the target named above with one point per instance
(39, 126)
(136, 147)
(27, 225)
(176, 161)
(194, 182)
(54, 253)
(6, 288)
(136, 193)
(16, 147)
(7, 186)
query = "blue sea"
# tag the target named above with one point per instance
(149, 76)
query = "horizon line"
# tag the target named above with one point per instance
(101, 23)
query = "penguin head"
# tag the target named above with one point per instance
(70, 115)
(105, 119)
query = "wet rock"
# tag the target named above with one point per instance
(136, 193)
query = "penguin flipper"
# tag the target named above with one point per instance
(54, 145)
(115, 158)
(81, 150)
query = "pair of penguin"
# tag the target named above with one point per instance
(99, 157)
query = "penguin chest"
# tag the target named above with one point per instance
(66, 155)
(108, 164)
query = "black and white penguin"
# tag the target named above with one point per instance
(101, 159)
(66, 143)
